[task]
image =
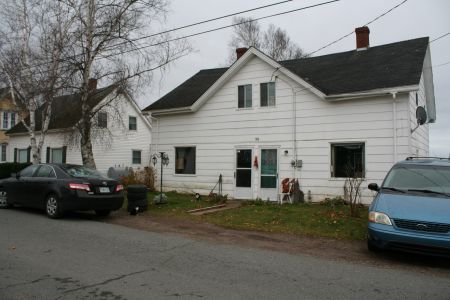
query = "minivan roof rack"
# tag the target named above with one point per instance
(422, 157)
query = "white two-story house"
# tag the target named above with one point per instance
(314, 119)
(121, 134)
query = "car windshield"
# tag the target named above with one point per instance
(431, 179)
(83, 172)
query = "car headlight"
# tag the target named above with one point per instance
(380, 218)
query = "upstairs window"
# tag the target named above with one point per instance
(185, 160)
(267, 94)
(13, 119)
(245, 96)
(102, 120)
(347, 160)
(5, 120)
(132, 123)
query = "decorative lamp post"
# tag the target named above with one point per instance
(164, 162)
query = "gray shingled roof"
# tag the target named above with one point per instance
(385, 66)
(66, 111)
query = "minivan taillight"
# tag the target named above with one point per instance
(80, 186)
(119, 188)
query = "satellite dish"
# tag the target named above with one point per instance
(421, 115)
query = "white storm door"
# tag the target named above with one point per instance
(243, 174)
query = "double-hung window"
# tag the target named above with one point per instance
(56, 155)
(102, 120)
(347, 160)
(132, 123)
(245, 96)
(136, 157)
(3, 154)
(13, 119)
(22, 155)
(5, 120)
(267, 94)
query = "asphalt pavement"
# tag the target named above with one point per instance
(82, 258)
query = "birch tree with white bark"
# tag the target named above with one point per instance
(117, 41)
(34, 36)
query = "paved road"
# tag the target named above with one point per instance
(77, 258)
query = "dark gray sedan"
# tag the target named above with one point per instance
(58, 188)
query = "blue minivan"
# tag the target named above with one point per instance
(411, 211)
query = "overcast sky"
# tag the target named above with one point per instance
(314, 28)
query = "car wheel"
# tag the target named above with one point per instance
(52, 207)
(4, 200)
(102, 212)
(372, 247)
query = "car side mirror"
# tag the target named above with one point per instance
(15, 175)
(374, 187)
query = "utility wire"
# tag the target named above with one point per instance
(221, 28)
(195, 34)
(350, 33)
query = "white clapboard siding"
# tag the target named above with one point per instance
(108, 152)
(218, 128)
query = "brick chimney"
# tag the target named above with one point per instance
(362, 38)
(240, 52)
(92, 84)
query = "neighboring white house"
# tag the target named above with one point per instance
(121, 138)
(260, 120)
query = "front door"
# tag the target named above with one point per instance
(243, 174)
(269, 174)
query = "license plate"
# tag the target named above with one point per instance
(104, 190)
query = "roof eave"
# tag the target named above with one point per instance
(168, 111)
(372, 93)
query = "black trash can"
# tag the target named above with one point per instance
(137, 198)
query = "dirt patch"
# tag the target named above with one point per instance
(342, 250)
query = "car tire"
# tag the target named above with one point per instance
(4, 200)
(53, 207)
(102, 212)
(372, 247)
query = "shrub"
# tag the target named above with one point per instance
(7, 168)
(216, 198)
(145, 176)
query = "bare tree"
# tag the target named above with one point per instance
(34, 35)
(275, 41)
(352, 189)
(109, 46)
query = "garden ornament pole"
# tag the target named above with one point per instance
(164, 162)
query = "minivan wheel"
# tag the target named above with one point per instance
(102, 212)
(4, 200)
(372, 247)
(52, 207)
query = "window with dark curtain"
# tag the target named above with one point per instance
(185, 160)
(347, 160)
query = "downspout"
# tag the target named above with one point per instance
(294, 125)
(394, 113)
(157, 131)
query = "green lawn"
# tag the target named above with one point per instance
(324, 220)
